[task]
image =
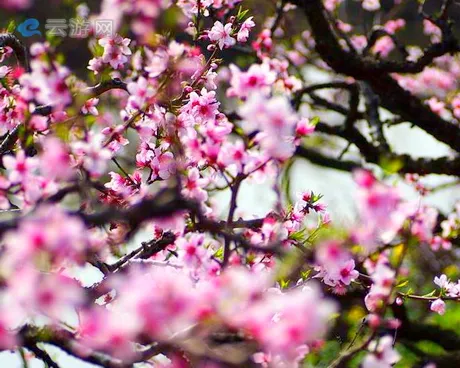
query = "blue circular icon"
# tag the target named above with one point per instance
(29, 27)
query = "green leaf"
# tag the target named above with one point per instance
(430, 348)
(314, 121)
(286, 182)
(62, 131)
(284, 283)
(60, 58)
(11, 26)
(241, 14)
(402, 284)
(305, 274)
(430, 294)
(391, 165)
(219, 254)
(324, 356)
(299, 235)
(313, 236)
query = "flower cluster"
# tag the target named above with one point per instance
(169, 303)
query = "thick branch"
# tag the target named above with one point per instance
(392, 96)
(317, 158)
(164, 204)
(372, 154)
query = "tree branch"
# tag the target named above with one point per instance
(392, 96)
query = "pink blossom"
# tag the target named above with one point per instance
(190, 7)
(438, 242)
(101, 329)
(438, 306)
(258, 78)
(234, 154)
(96, 65)
(383, 278)
(31, 293)
(5, 52)
(384, 45)
(438, 107)
(359, 42)
(193, 186)
(378, 205)
(432, 30)
(276, 121)
(13, 109)
(284, 331)
(264, 43)
(55, 159)
(383, 282)
(115, 139)
(392, 26)
(262, 358)
(46, 85)
(304, 127)
(453, 289)
(16, 4)
(335, 265)
(39, 48)
(348, 272)
(116, 50)
(191, 249)
(4, 185)
(19, 167)
(243, 33)
(222, 35)
(157, 62)
(7, 336)
(364, 178)
(201, 108)
(162, 164)
(90, 107)
(344, 27)
(42, 233)
(456, 106)
(39, 123)
(381, 354)
(126, 219)
(169, 305)
(92, 154)
(141, 92)
(122, 186)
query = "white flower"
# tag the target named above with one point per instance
(441, 281)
